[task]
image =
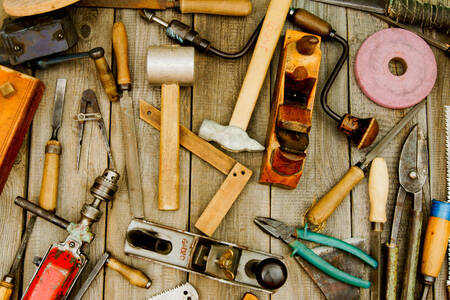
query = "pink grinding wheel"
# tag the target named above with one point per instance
(379, 84)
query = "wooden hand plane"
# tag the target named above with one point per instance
(291, 112)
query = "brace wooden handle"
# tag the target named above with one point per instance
(392, 263)
(105, 75)
(120, 44)
(134, 276)
(169, 166)
(6, 290)
(310, 22)
(50, 176)
(328, 203)
(217, 7)
(378, 190)
(260, 62)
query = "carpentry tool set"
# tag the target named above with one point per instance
(45, 30)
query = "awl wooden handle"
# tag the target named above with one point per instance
(120, 44)
(50, 176)
(378, 190)
(217, 7)
(328, 203)
(169, 151)
(134, 276)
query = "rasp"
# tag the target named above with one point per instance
(182, 292)
(447, 157)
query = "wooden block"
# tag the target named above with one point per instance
(16, 115)
(7, 89)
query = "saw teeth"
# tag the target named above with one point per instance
(166, 291)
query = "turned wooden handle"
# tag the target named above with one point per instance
(50, 176)
(6, 290)
(392, 264)
(134, 276)
(378, 190)
(310, 22)
(435, 246)
(238, 8)
(120, 44)
(326, 206)
(260, 62)
(169, 166)
(106, 78)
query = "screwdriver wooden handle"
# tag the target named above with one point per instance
(169, 149)
(378, 190)
(50, 177)
(237, 8)
(134, 276)
(328, 203)
(105, 74)
(120, 44)
(6, 290)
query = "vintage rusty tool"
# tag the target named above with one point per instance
(405, 11)
(378, 195)
(291, 235)
(170, 67)
(182, 292)
(120, 43)
(438, 228)
(214, 7)
(185, 35)
(53, 149)
(63, 263)
(89, 98)
(7, 284)
(413, 170)
(321, 210)
(237, 174)
(134, 276)
(234, 136)
(362, 132)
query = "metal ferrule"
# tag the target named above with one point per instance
(53, 149)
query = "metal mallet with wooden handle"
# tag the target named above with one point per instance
(120, 43)
(170, 67)
(234, 136)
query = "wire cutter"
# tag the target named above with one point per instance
(291, 236)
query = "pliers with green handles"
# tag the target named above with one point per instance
(291, 236)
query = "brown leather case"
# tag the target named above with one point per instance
(16, 113)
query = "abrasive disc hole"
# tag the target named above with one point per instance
(397, 66)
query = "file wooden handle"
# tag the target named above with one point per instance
(50, 176)
(120, 44)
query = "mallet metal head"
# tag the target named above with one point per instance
(171, 64)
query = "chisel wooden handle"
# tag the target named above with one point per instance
(249, 296)
(378, 190)
(50, 176)
(6, 290)
(392, 264)
(105, 74)
(217, 7)
(134, 276)
(120, 44)
(260, 62)
(328, 203)
(169, 166)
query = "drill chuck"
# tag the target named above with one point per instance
(105, 186)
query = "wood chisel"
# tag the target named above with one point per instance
(49, 186)
(120, 44)
(328, 203)
(378, 194)
(438, 229)
(7, 285)
(134, 276)
(215, 7)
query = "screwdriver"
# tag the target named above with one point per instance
(378, 194)
(7, 284)
(435, 245)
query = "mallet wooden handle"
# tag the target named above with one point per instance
(134, 276)
(50, 177)
(169, 166)
(260, 62)
(217, 7)
(378, 190)
(120, 44)
(328, 203)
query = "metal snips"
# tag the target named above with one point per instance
(291, 236)
(413, 170)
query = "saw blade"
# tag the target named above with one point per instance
(183, 292)
(447, 153)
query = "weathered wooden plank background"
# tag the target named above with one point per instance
(212, 97)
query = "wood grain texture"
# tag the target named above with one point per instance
(19, 8)
(50, 177)
(217, 7)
